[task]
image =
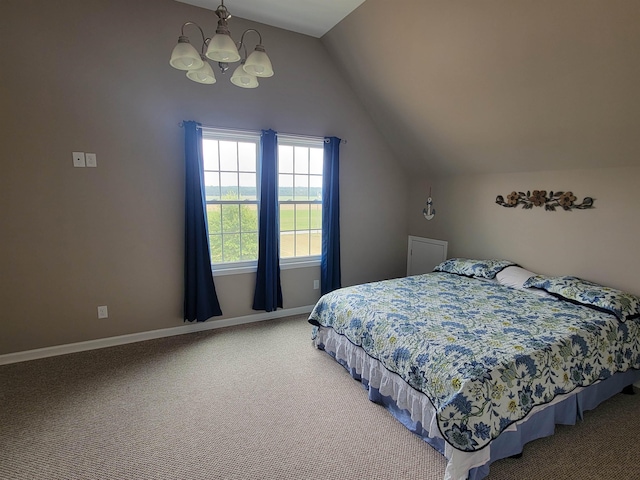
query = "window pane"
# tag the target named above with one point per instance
(248, 189)
(229, 187)
(230, 220)
(286, 218)
(302, 244)
(315, 160)
(301, 160)
(285, 187)
(302, 217)
(285, 159)
(247, 156)
(316, 217)
(210, 154)
(287, 248)
(231, 247)
(213, 219)
(315, 187)
(249, 219)
(249, 246)
(228, 155)
(316, 243)
(212, 185)
(301, 191)
(215, 244)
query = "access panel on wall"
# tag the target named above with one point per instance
(424, 254)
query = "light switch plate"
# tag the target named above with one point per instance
(78, 159)
(92, 161)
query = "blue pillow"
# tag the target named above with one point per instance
(473, 268)
(621, 304)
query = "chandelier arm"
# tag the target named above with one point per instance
(247, 31)
(205, 44)
(195, 24)
(205, 41)
(244, 47)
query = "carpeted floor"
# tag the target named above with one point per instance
(250, 402)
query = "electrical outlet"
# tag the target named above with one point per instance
(316, 284)
(78, 159)
(103, 312)
(92, 161)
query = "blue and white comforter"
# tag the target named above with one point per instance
(484, 354)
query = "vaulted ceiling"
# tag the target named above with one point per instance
(468, 86)
(310, 17)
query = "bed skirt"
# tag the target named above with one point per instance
(414, 410)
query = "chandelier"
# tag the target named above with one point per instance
(222, 49)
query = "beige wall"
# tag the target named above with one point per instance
(600, 245)
(468, 86)
(93, 76)
(466, 91)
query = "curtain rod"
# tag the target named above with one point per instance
(258, 132)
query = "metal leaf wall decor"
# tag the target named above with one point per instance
(538, 198)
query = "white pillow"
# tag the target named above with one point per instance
(515, 277)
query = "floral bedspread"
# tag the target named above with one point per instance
(484, 354)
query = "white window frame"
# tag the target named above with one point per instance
(300, 141)
(245, 266)
(250, 266)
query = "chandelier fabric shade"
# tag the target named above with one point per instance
(223, 49)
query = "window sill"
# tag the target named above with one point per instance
(302, 262)
(287, 264)
(219, 271)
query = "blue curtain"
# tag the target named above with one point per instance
(200, 299)
(330, 260)
(268, 293)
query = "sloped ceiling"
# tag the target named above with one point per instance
(310, 17)
(468, 86)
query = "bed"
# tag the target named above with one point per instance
(482, 356)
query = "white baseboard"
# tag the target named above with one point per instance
(150, 335)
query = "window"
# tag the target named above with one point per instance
(300, 197)
(231, 188)
(231, 166)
